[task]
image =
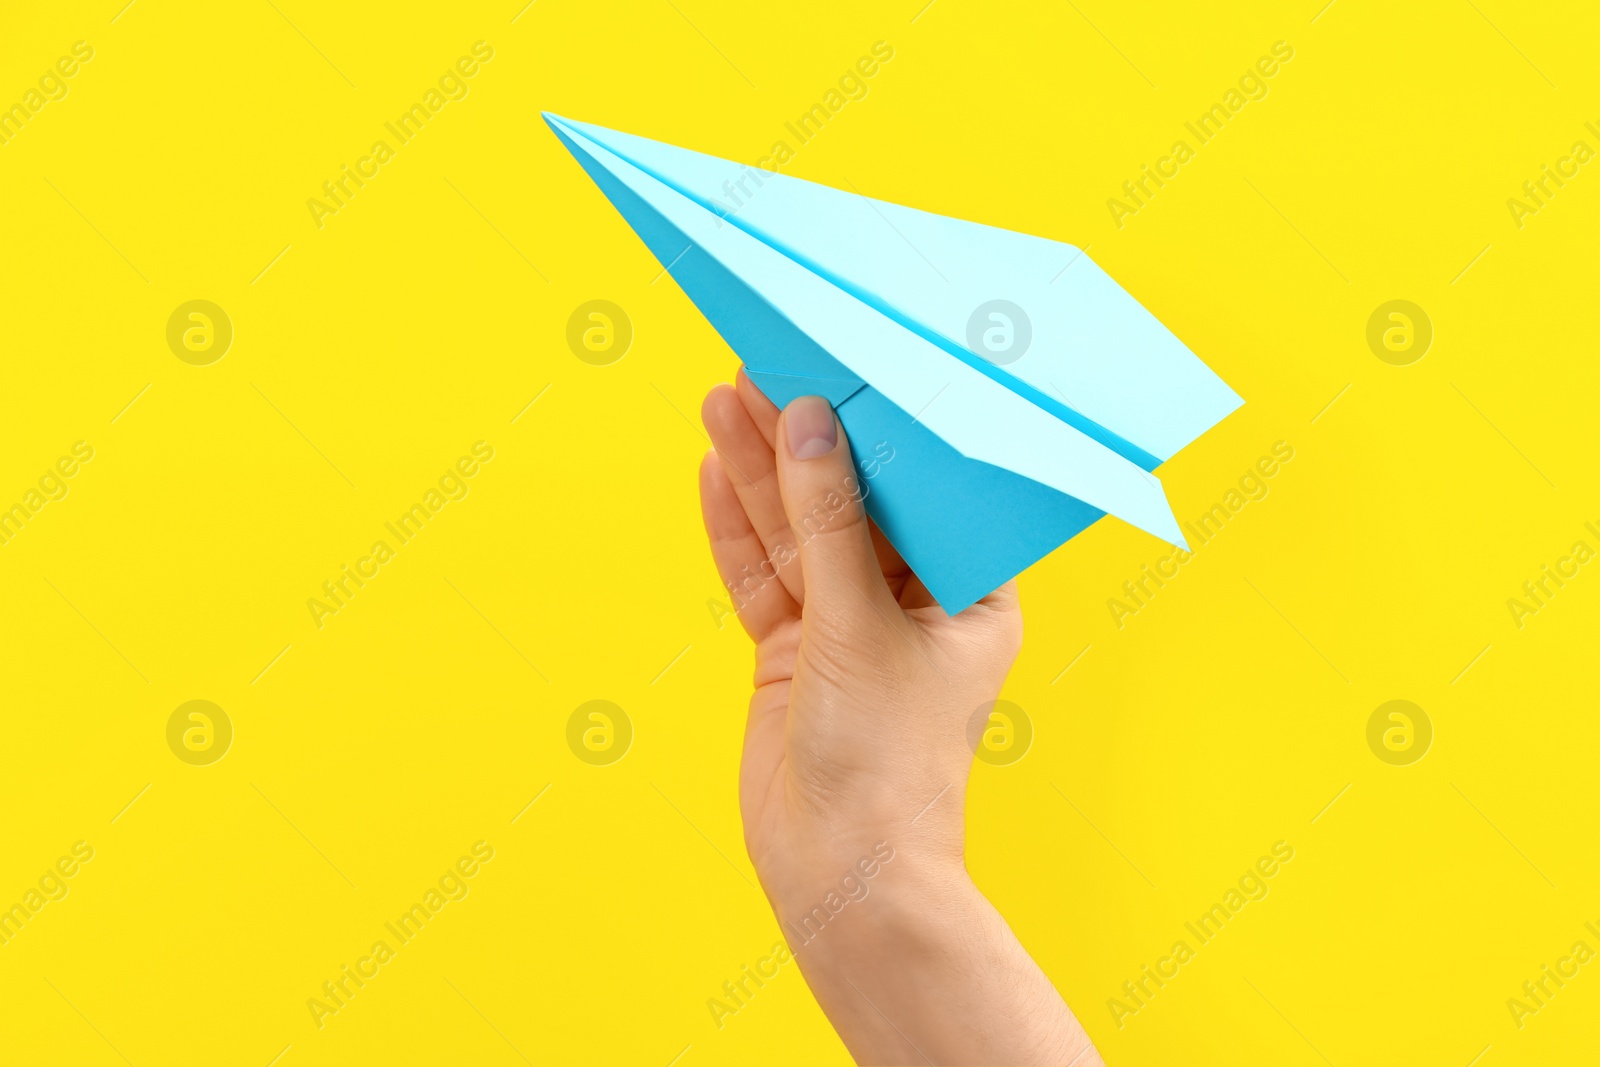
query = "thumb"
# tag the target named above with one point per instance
(822, 497)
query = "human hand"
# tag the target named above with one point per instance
(856, 749)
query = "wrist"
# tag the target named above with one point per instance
(888, 899)
(898, 972)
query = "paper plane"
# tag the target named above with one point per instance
(1018, 390)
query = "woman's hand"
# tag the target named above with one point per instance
(856, 752)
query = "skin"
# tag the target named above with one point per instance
(856, 748)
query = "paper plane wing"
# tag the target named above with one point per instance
(974, 468)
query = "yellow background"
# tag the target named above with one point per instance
(425, 716)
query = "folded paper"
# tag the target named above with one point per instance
(1021, 393)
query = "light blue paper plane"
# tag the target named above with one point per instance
(867, 303)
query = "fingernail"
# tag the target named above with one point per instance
(809, 425)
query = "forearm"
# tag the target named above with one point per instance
(859, 728)
(924, 970)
